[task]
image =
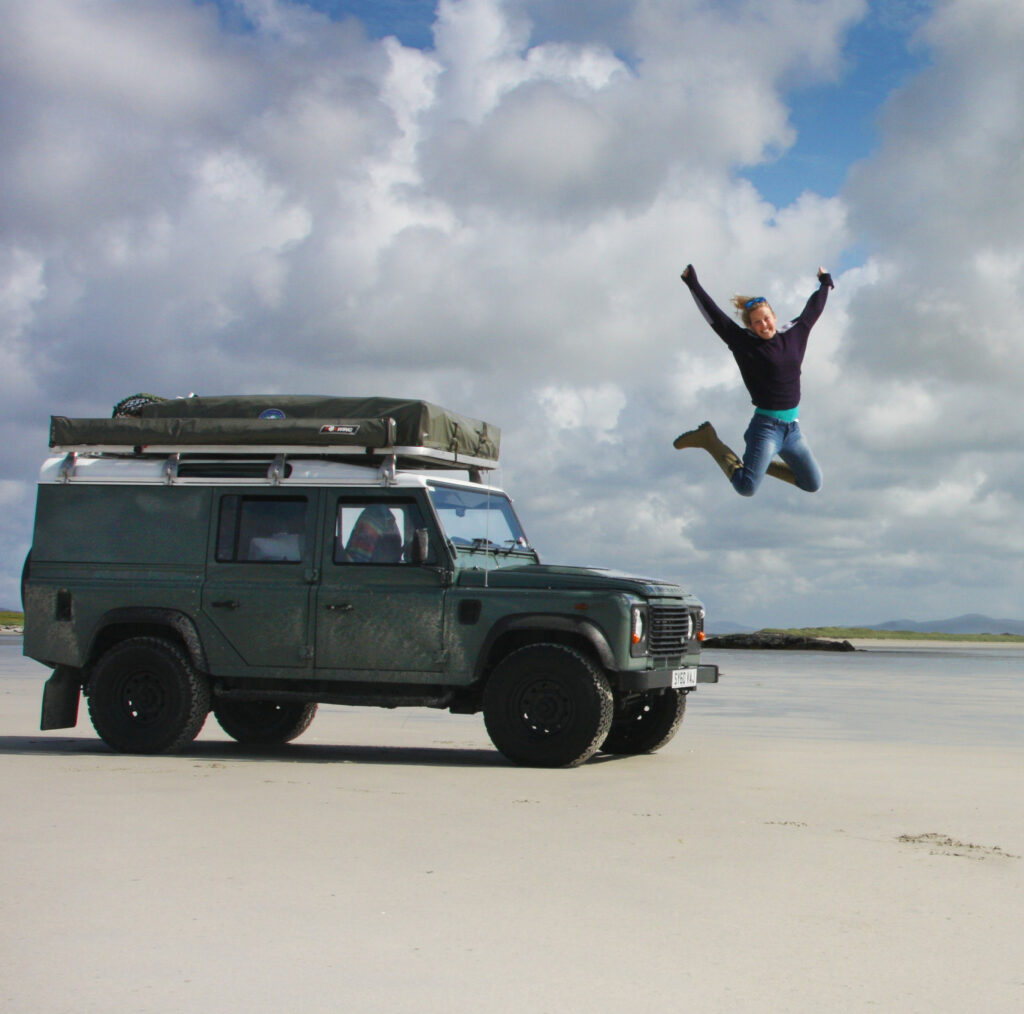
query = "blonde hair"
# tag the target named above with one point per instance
(744, 307)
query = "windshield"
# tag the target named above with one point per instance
(478, 520)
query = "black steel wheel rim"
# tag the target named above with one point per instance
(142, 697)
(545, 707)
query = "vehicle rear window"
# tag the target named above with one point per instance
(261, 529)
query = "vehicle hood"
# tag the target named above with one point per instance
(558, 577)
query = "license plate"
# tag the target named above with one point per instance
(682, 678)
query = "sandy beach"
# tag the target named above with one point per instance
(393, 862)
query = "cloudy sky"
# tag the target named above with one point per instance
(487, 203)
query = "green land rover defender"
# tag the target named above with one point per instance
(255, 556)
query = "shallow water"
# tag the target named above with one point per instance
(940, 695)
(944, 695)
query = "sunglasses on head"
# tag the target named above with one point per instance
(751, 303)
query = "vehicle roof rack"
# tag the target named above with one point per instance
(356, 430)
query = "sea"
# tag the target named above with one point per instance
(942, 695)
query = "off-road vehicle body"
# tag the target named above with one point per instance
(256, 556)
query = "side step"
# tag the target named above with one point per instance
(354, 694)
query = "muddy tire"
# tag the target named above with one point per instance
(145, 697)
(547, 705)
(263, 723)
(646, 722)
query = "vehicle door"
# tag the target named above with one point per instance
(260, 576)
(377, 607)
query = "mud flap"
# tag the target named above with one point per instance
(60, 699)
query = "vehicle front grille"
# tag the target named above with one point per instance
(672, 628)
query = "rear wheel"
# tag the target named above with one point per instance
(263, 723)
(145, 697)
(646, 722)
(547, 705)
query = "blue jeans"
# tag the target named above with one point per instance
(767, 437)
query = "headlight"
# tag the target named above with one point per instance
(638, 631)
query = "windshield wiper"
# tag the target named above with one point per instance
(511, 545)
(485, 544)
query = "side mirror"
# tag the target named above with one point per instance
(420, 546)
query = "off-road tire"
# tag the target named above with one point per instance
(263, 723)
(134, 404)
(645, 723)
(145, 697)
(547, 705)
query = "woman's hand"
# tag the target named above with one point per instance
(687, 271)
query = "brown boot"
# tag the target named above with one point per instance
(695, 438)
(705, 436)
(782, 471)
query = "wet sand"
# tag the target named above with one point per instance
(932, 644)
(393, 862)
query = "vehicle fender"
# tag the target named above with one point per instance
(150, 620)
(557, 624)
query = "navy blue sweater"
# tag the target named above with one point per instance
(770, 367)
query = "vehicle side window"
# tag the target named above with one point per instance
(372, 532)
(261, 529)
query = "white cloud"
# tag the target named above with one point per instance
(21, 275)
(594, 409)
(155, 60)
(902, 413)
(499, 223)
(945, 198)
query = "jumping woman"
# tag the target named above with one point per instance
(769, 358)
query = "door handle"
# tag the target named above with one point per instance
(226, 604)
(340, 607)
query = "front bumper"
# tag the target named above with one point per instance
(660, 679)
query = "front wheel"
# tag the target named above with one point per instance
(646, 722)
(145, 697)
(547, 705)
(263, 723)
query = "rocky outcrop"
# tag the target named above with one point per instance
(764, 640)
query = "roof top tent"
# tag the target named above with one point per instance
(388, 431)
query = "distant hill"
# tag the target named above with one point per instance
(969, 623)
(728, 627)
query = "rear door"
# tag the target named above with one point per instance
(260, 579)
